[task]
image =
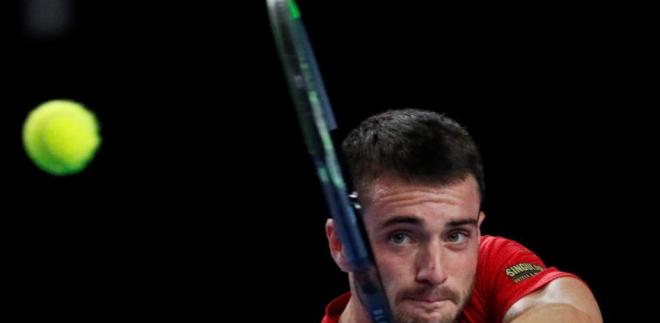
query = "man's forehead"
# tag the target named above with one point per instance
(388, 186)
(420, 221)
(432, 204)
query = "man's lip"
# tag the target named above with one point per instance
(427, 300)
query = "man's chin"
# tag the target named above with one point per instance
(432, 318)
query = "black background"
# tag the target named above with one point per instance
(203, 183)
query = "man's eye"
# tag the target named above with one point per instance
(457, 237)
(400, 239)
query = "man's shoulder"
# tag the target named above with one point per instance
(508, 271)
(335, 308)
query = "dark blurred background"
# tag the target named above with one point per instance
(202, 187)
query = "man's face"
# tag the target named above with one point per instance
(425, 240)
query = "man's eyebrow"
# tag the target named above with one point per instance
(410, 219)
(458, 223)
(401, 219)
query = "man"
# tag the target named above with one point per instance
(420, 182)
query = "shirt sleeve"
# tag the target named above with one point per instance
(508, 271)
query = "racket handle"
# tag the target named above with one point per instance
(372, 295)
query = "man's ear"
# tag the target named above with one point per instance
(336, 246)
(482, 217)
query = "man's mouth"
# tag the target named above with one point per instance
(428, 300)
(429, 306)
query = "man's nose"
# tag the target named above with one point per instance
(430, 265)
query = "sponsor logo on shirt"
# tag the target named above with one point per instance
(522, 271)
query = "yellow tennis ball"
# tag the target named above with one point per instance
(61, 137)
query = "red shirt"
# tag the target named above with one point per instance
(506, 272)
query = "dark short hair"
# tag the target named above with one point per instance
(414, 145)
